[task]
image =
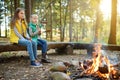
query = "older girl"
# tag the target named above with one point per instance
(20, 37)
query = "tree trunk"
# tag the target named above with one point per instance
(11, 8)
(51, 20)
(16, 4)
(32, 6)
(97, 24)
(61, 27)
(112, 36)
(70, 24)
(60, 23)
(65, 18)
(48, 15)
(28, 10)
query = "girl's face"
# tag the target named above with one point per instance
(34, 19)
(21, 14)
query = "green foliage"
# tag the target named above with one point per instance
(57, 15)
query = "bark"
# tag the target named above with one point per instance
(70, 24)
(11, 8)
(112, 36)
(59, 45)
(28, 10)
(65, 21)
(51, 21)
(48, 14)
(97, 25)
(32, 6)
(16, 4)
(61, 28)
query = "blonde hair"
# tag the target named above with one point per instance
(33, 15)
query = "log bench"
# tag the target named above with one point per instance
(60, 47)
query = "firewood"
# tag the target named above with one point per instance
(80, 63)
(115, 73)
(115, 65)
(85, 66)
(87, 63)
(82, 73)
(103, 69)
(119, 72)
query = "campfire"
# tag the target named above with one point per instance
(99, 67)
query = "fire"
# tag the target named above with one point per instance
(100, 64)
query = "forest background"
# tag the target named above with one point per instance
(85, 21)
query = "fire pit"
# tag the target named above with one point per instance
(98, 67)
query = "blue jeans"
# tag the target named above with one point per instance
(31, 48)
(43, 45)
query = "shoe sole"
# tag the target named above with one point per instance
(37, 66)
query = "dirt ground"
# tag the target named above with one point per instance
(16, 65)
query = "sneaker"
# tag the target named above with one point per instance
(46, 56)
(36, 64)
(45, 61)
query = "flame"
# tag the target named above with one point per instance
(100, 62)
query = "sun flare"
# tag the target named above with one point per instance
(105, 6)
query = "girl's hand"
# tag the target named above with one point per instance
(27, 37)
(39, 32)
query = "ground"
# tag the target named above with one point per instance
(16, 66)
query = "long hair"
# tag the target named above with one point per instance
(16, 17)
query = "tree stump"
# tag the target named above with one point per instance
(65, 50)
(69, 49)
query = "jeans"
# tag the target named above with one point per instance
(31, 48)
(43, 45)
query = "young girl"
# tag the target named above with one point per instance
(19, 35)
(34, 32)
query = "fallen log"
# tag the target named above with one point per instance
(4, 47)
(60, 47)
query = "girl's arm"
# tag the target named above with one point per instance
(18, 34)
(33, 33)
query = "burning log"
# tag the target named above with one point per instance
(82, 73)
(116, 65)
(87, 63)
(103, 69)
(115, 74)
